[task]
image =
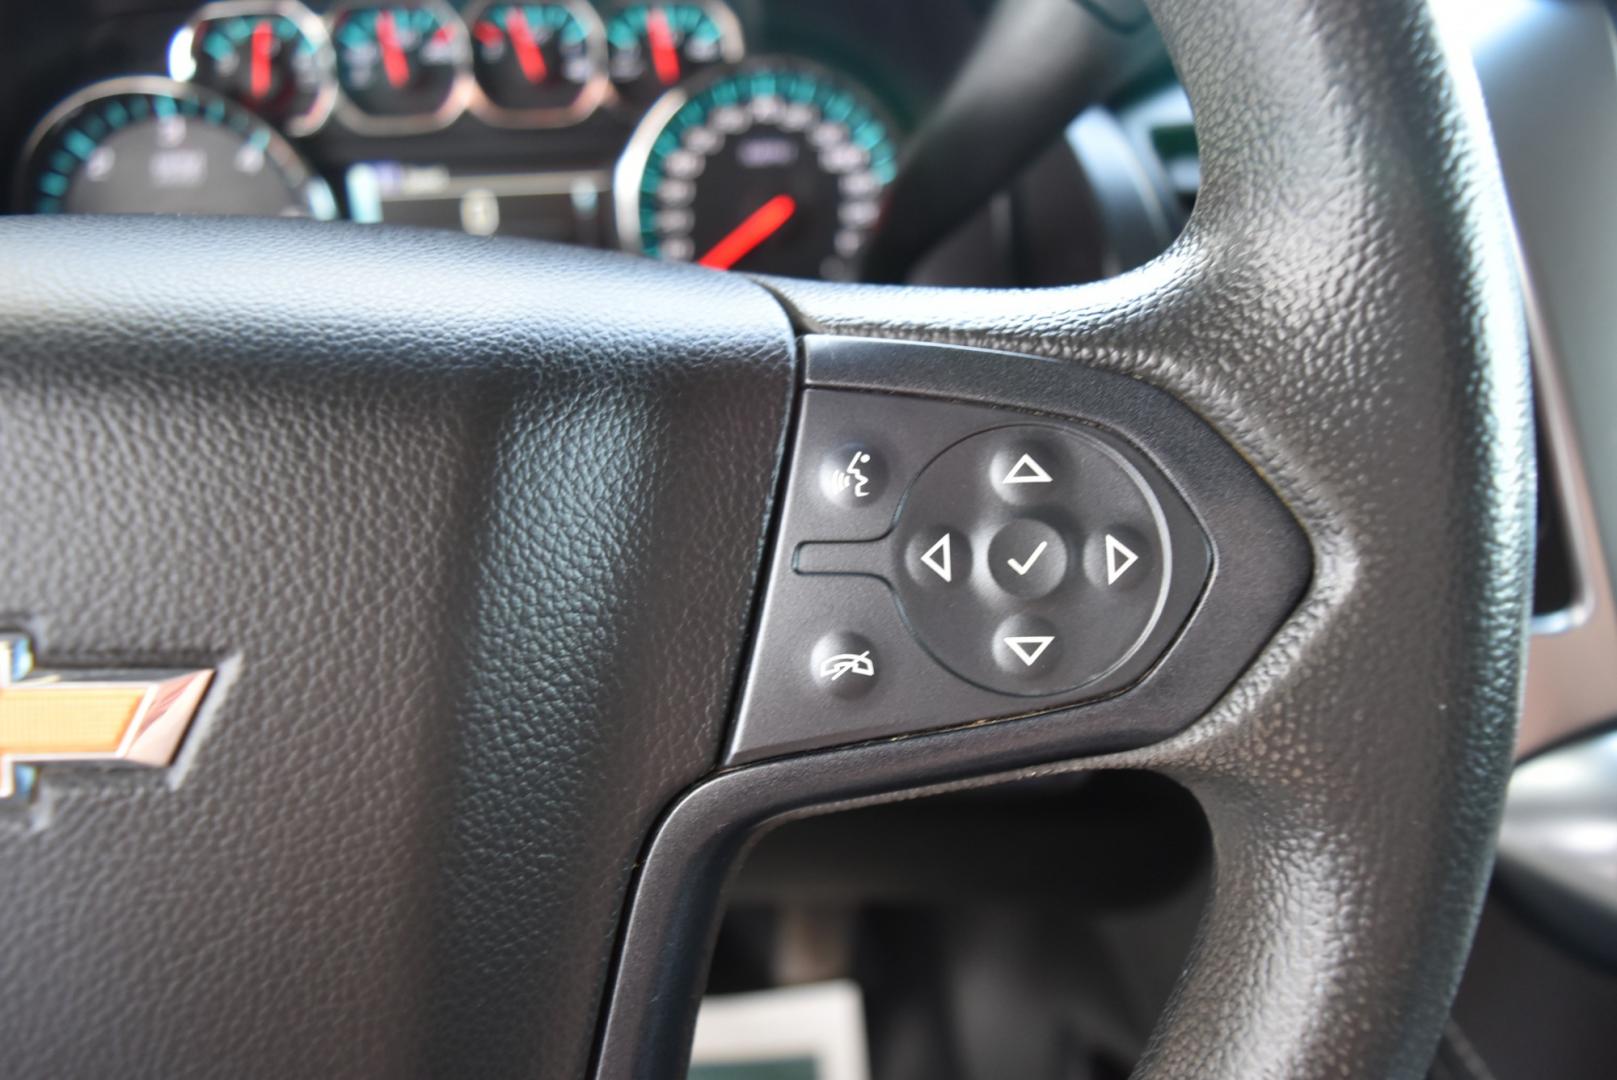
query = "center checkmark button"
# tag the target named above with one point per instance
(1028, 558)
(1026, 564)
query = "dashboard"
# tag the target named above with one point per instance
(749, 134)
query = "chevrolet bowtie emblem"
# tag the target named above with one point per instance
(88, 717)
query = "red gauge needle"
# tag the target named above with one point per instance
(526, 46)
(260, 85)
(664, 57)
(759, 226)
(393, 61)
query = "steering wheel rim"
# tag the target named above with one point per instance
(1354, 277)
(1341, 310)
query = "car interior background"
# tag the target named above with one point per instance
(1033, 929)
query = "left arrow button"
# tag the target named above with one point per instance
(939, 558)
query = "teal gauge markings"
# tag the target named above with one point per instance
(652, 47)
(688, 22)
(364, 27)
(537, 64)
(226, 39)
(150, 145)
(401, 66)
(271, 56)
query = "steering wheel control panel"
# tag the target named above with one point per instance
(942, 563)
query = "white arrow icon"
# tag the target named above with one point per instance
(1026, 564)
(1026, 471)
(939, 558)
(1118, 558)
(1028, 649)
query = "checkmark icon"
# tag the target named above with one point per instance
(1027, 564)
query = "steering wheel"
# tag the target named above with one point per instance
(473, 533)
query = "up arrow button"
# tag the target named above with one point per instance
(1026, 471)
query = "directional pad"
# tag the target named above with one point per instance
(997, 563)
(1030, 559)
(1044, 561)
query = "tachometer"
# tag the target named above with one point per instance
(272, 56)
(655, 46)
(778, 167)
(151, 145)
(403, 66)
(537, 64)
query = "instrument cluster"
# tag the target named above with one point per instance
(364, 110)
(415, 66)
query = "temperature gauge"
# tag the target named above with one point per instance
(403, 67)
(654, 46)
(273, 56)
(537, 64)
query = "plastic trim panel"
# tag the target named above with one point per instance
(1262, 564)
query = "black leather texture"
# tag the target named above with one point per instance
(472, 529)
(1342, 308)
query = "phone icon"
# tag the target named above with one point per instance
(834, 667)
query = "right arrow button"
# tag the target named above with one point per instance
(1119, 558)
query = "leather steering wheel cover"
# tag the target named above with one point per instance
(1342, 308)
(472, 529)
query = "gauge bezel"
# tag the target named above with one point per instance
(360, 122)
(732, 46)
(630, 170)
(591, 94)
(285, 155)
(312, 26)
(631, 164)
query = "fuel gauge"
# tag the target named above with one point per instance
(403, 66)
(537, 64)
(272, 56)
(654, 46)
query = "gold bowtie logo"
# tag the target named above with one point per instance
(88, 717)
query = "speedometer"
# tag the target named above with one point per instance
(777, 168)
